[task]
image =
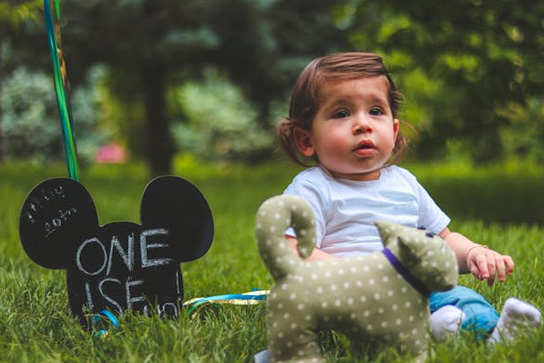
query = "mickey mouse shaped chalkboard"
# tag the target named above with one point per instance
(120, 265)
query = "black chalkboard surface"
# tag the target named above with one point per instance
(120, 265)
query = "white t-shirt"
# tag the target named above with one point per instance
(346, 209)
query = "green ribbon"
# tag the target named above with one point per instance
(63, 103)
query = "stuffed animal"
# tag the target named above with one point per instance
(382, 296)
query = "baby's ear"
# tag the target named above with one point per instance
(303, 142)
(54, 216)
(175, 204)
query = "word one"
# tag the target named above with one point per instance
(120, 265)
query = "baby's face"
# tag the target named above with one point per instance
(353, 132)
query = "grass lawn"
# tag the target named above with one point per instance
(501, 206)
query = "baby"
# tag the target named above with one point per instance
(343, 120)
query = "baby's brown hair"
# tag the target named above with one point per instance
(306, 95)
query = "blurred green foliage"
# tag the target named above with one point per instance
(14, 13)
(484, 58)
(30, 128)
(471, 71)
(220, 123)
(524, 136)
(30, 124)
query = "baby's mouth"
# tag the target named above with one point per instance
(365, 145)
(365, 149)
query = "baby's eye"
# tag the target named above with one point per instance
(341, 114)
(376, 111)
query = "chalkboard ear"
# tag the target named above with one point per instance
(175, 204)
(55, 214)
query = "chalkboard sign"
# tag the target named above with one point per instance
(121, 265)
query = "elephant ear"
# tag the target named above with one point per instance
(54, 216)
(178, 206)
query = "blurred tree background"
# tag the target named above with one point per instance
(213, 77)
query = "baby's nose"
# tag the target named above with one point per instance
(361, 124)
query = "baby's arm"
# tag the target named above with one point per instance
(316, 253)
(477, 259)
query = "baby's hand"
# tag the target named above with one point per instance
(485, 263)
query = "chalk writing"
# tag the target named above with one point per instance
(144, 247)
(128, 290)
(120, 265)
(41, 196)
(113, 268)
(126, 256)
(108, 289)
(56, 222)
(168, 308)
(108, 298)
(113, 284)
(53, 194)
(82, 248)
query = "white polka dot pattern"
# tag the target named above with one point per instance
(363, 297)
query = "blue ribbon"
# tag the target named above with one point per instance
(105, 314)
(405, 273)
(256, 295)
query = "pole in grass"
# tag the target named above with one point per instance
(52, 16)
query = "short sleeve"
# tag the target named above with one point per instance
(431, 217)
(314, 192)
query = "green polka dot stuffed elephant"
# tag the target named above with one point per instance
(382, 296)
